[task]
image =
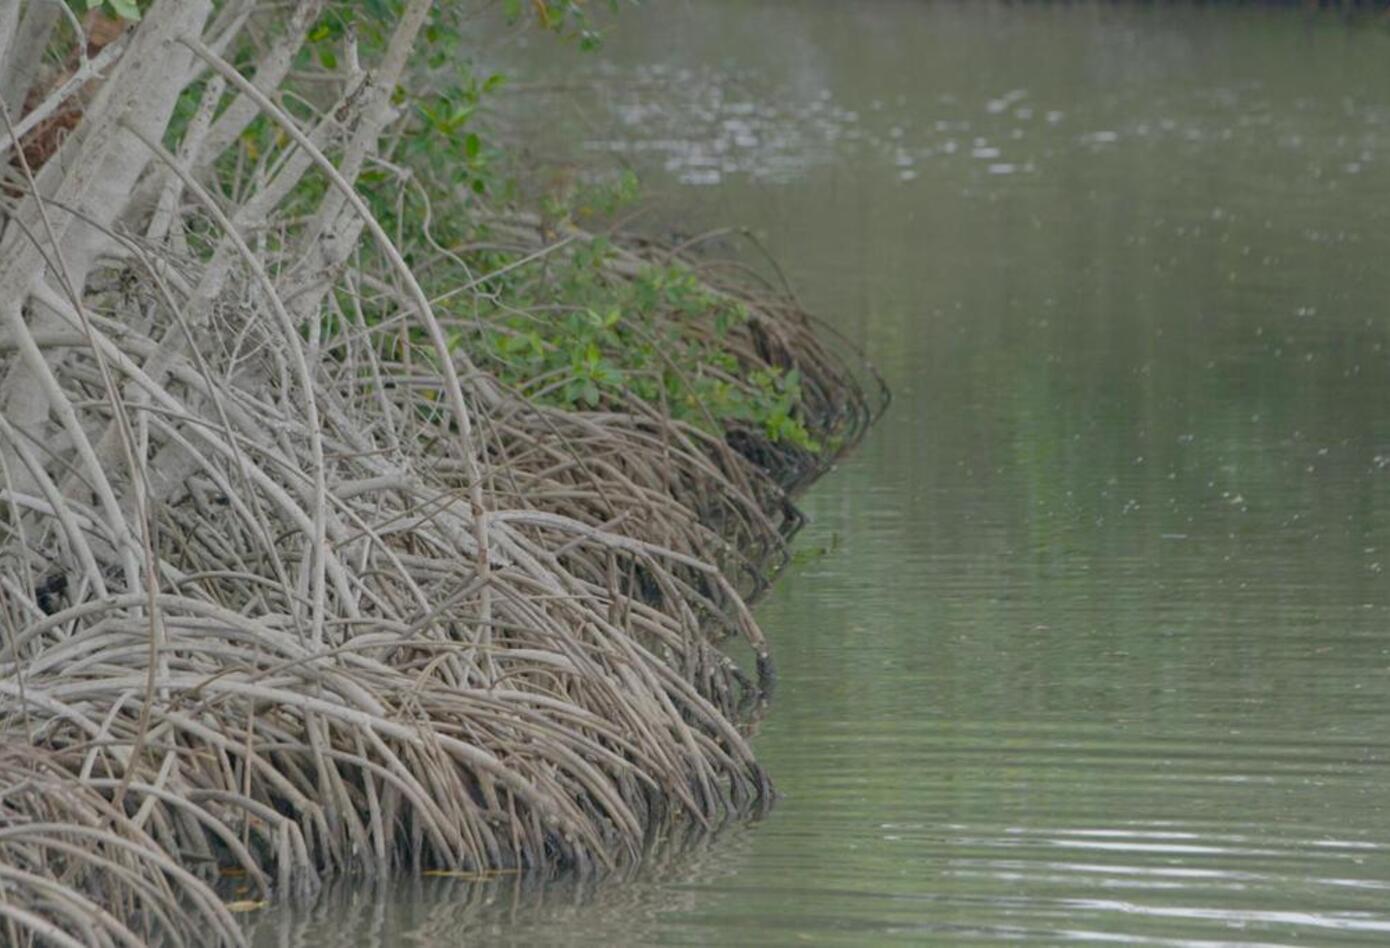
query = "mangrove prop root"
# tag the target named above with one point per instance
(289, 586)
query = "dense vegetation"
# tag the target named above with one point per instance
(354, 516)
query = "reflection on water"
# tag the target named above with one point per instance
(511, 910)
(1101, 651)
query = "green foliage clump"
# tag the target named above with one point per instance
(564, 330)
(662, 337)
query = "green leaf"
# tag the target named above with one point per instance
(460, 116)
(126, 9)
(472, 145)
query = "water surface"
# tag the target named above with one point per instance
(1099, 648)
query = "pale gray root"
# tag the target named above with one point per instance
(87, 70)
(20, 68)
(269, 72)
(9, 27)
(96, 171)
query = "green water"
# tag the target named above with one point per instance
(1101, 650)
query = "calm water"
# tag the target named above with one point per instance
(1101, 647)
